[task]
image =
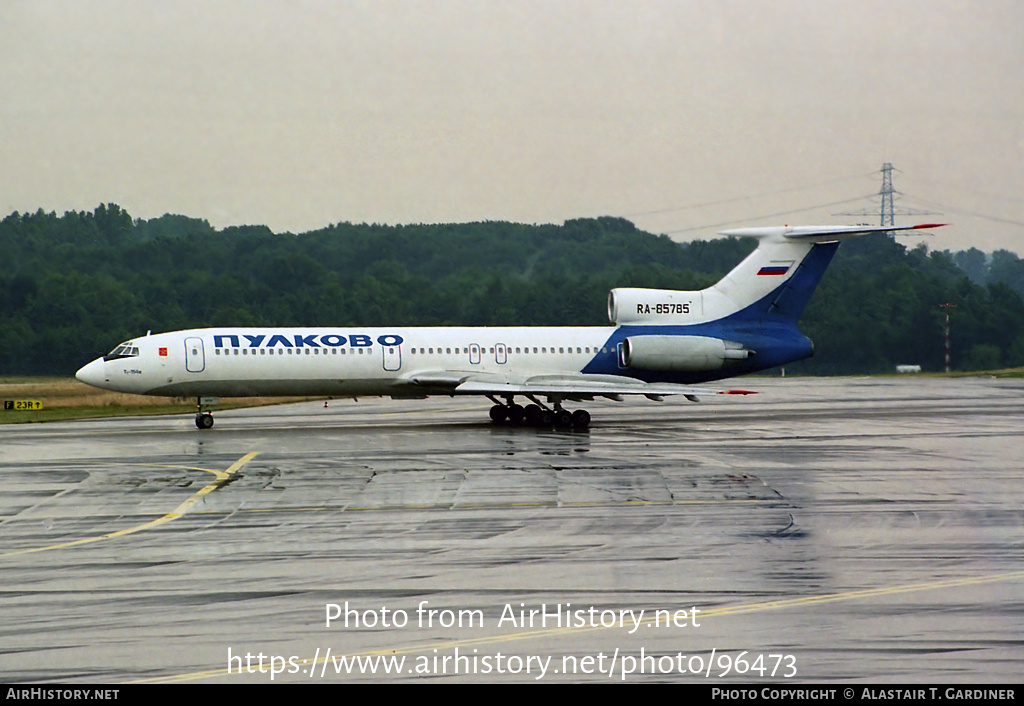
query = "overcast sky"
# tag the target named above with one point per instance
(685, 117)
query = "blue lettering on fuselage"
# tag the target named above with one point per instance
(298, 340)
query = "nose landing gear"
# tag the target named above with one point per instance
(204, 420)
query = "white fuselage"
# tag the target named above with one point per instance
(343, 361)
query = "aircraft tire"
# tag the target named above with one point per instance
(563, 418)
(204, 421)
(580, 419)
(546, 418)
(516, 413)
(533, 412)
(499, 413)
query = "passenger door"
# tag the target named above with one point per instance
(392, 357)
(195, 358)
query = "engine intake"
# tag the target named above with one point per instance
(663, 306)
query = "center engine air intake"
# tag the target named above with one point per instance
(631, 305)
(681, 353)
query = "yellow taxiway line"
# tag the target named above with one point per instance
(221, 478)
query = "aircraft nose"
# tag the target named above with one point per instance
(94, 373)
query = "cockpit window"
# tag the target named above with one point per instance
(125, 350)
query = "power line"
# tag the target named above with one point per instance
(766, 215)
(741, 198)
(968, 212)
(978, 192)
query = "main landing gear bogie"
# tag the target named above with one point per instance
(535, 415)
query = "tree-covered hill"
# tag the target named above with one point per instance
(73, 286)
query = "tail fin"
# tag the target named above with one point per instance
(779, 277)
(776, 280)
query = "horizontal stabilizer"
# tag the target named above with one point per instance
(820, 234)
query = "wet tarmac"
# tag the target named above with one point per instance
(853, 530)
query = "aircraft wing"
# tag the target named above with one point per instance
(559, 386)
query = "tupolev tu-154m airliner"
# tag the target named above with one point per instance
(661, 342)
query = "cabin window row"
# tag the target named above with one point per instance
(510, 349)
(293, 351)
(523, 350)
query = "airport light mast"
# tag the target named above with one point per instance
(947, 306)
